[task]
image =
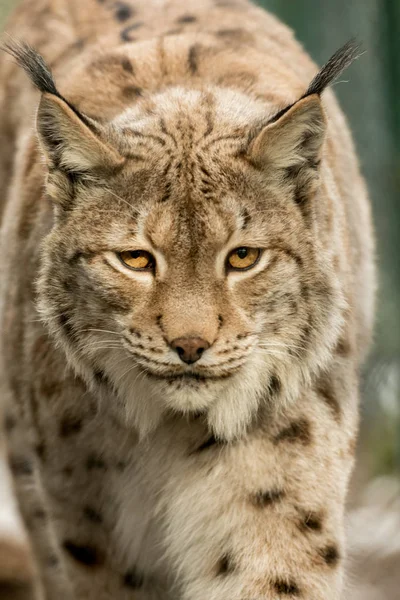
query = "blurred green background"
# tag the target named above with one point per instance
(371, 99)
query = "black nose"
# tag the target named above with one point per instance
(189, 349)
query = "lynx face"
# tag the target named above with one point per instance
(183, 272)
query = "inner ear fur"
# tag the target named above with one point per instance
(72, 146)
(293, 141)
(69, 140)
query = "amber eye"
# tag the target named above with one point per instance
(243, 258)
(139, 260)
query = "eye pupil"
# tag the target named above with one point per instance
(135, 253)
(243, 258)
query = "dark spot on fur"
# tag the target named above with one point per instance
(343, 347)
(132, 91)
(286, 588)
(225, 565)
(230, 32)
(39, 514)
(87, 555)
(68, 471)
(20, 465)
(275, 385)
(95, 462)
(126, 33)
(92, 515)
(176, 31)
(123, 12)
(67, 327)
(41, 450)
(127, 65)
(70, 425)
(193, 58)
(311, 521)
(211, 441)
(235, 36)
(330, 555)
(52, 561)
(100, 377)
(326, 391)
(298, 431)
(352, 446)
(187, 19)
(10, 423)
(262, 499)
(133, 579)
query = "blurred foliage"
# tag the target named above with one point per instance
(370, 99)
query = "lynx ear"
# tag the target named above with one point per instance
(291, 141)
(72, 143)
(294, 140)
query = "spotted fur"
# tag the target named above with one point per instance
(186, 132)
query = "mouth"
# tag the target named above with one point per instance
(188, 377)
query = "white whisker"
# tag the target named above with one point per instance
(119, 198)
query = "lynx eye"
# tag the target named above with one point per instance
(243, 258)
(139, 260)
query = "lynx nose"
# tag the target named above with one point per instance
(189, 349)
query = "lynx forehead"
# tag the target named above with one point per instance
(186, 300)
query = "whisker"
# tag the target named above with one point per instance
(100, 330)
(119, 198)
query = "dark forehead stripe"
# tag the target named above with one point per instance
(246, 218)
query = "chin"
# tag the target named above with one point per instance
(230, 403)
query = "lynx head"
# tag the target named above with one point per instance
(183, 272)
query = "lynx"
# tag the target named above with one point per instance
(187, 297)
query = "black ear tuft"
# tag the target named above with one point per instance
(340, 61)
(39, 72)
(335, 66)
(33, 64)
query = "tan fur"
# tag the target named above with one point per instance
(225, 479)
